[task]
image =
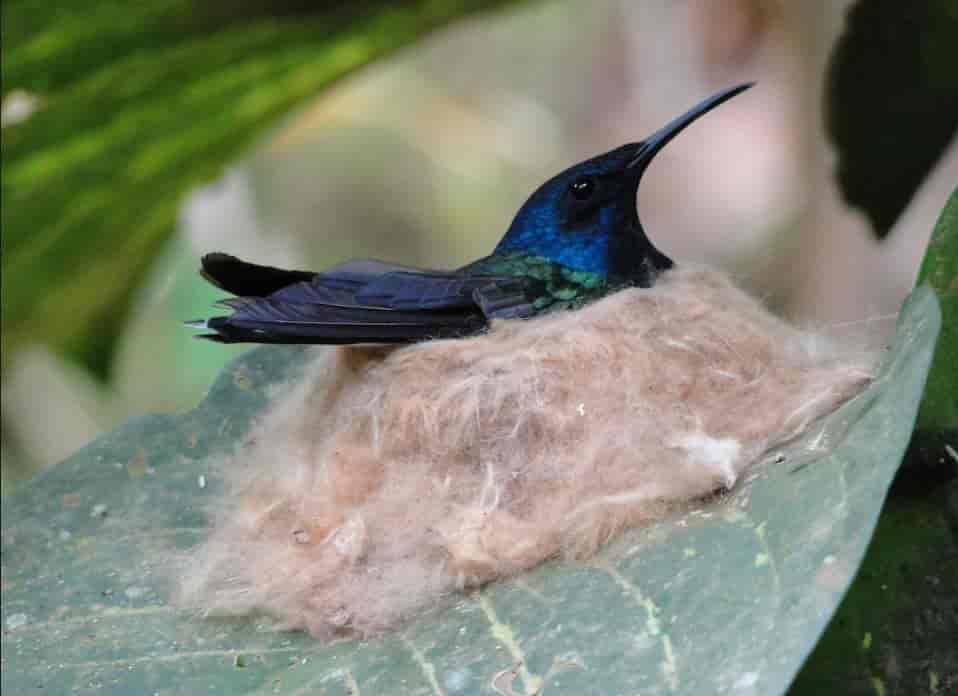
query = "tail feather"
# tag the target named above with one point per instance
(214, 338)
(271, 321)
(331, 334)
(241, 278)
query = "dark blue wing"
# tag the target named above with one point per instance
(421, 290)
(356, 302)
(376, 284)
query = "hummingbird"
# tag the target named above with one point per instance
(576, 239)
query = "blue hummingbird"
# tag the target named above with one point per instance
(577, 238)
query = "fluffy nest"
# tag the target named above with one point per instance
(386, 479)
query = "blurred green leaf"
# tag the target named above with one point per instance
(939, 407)
(140, 102)
(731, 597)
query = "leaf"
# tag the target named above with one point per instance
(892, 95)
(939, 407)
(729, 597)
(894, 632)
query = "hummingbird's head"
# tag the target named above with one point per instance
(585, 217)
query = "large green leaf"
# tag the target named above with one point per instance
(939, 407)
(894, 632)
(730, 597)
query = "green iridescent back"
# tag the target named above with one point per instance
(555, 286)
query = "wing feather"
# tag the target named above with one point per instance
(356, 302)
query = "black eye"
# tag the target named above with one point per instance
(582, 188)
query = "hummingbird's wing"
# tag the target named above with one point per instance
(362, 301)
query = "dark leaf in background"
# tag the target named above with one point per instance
(892, 101)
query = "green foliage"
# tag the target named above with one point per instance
(140, 103)
(939, 407)
(728, 598)
(893, 93)
(894, 632)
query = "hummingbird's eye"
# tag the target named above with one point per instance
(582, 188)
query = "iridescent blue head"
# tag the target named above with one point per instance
(585, 218)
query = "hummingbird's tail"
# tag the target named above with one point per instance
(261, 320)
(238, 277)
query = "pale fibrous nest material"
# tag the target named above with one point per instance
(384, 480)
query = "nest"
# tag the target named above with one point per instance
(386, 479)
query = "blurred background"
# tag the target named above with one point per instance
(138, 136)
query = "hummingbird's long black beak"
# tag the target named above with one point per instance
(655, 142)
